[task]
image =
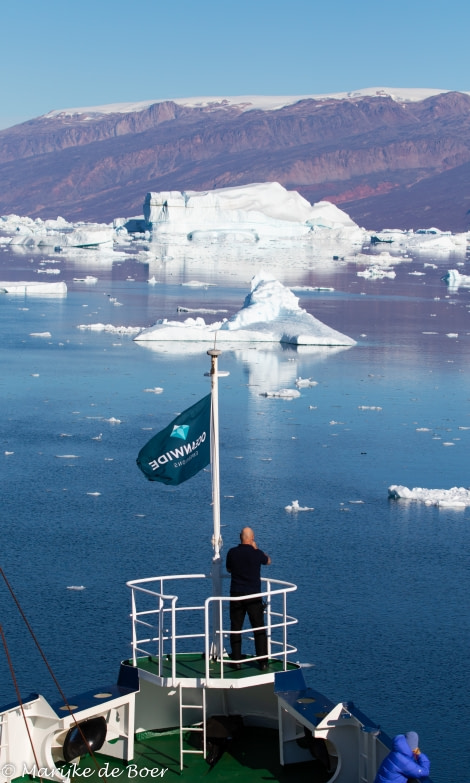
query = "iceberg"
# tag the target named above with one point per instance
(271, 313)
(424, 241)
(56, 233)
(38, 289)
(247, 213)
(456, 497)
(456, 280)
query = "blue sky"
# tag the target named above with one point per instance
(62, 54)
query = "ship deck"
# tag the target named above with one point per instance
(192, 666)
(248, 758)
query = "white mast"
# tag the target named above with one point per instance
(217, 642)
(214, 353)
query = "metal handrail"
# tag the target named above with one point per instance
(166, 608)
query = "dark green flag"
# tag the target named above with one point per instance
(180, 450)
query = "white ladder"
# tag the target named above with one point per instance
(201, 728)
(367, 756)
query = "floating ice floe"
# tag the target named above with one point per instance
(34, 289)
(294, 507)
(57, 233)
(155, 390)
(423, 241)
(456, 497)
(197, 284)
(286, 394)
(111, 328)
(271, 313)
(455, 280)
(201, 310)
(304, 383)
(40, 334)
(76, 587)
(377, 273)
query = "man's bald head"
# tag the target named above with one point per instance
(247, 535)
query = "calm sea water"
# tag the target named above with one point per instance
(383, 586)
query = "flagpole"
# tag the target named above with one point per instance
(217, 644)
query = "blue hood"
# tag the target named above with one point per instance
(400, 745)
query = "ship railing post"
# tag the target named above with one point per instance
(134, 632)
(207, 650)
(173, 637)
(161, 625)
(221, 628)
(284, 628)
(268, 618)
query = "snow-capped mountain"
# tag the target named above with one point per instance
(388, 157)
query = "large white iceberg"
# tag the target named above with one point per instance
(271, 313)
(249, 212)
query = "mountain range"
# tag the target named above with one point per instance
(388, 160)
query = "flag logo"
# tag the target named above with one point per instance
(161, 459)
(180, 431)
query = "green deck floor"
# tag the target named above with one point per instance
(192, 665)
(249, 758)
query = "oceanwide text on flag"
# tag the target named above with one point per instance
(180, 450)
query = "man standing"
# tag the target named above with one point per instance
(244, 564)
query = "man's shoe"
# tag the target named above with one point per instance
(236, 666)
(263, 666)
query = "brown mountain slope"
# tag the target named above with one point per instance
(387, 163)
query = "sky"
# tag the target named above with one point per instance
(58, 54)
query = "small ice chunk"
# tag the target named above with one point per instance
(305, 382)
(295, 507)
(284, 393)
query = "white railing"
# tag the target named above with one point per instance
(165, 624)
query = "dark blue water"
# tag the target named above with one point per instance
(383, 586)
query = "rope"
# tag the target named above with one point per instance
(18, 696)
(49, 668)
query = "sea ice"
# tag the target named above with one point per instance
(456, 497)
(271, 313)
(286, 394)
(303, 383)
(36, 289)
(294, 507)
(454, 280)
(111, 328)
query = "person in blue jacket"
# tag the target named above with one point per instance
(404, 762)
